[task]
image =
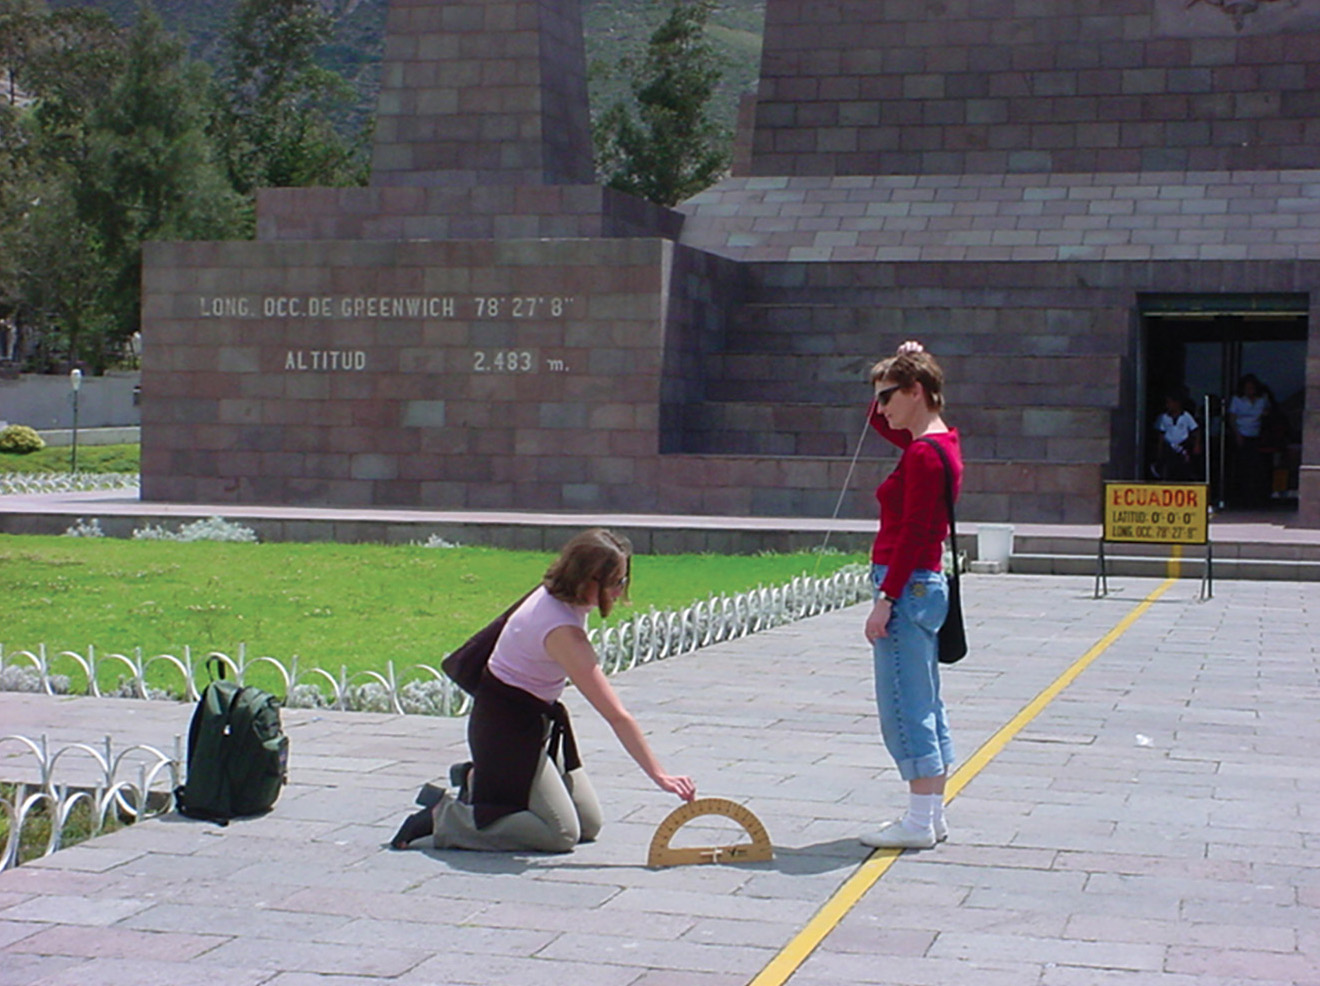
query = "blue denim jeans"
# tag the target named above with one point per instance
(913, 723)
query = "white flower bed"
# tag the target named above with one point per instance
(67, 482)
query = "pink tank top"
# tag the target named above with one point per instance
(520, 658)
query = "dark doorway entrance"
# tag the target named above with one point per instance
(1201, 350)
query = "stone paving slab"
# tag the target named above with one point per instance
(1157, 823)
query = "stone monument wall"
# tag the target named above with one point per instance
(484, 327)
(459, 374)
(477, 92)
(923, 87)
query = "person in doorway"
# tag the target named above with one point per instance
(1179, 442)
(911, 595)
(1246, 414)
(525, 788)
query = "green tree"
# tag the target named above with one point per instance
(150, 173)
(56, 67)
(665, 146)
(277, 126)
(66, 294)
(118, 126)
(110, 138)
(20, 29)
(68, 70)
(17, 191)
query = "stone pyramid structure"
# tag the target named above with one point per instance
(1042, 193)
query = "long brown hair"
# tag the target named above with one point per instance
(595, 555)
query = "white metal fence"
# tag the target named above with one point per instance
(126, 784)
(411, 689)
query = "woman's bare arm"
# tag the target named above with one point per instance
(569, 646)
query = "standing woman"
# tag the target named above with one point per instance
(525, 788)
(911, 595)
(1246, 416)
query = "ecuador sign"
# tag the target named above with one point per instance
(1157, 513)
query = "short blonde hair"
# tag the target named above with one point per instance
(905, 369)
(595, 555)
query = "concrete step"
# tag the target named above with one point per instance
(1232, 558)
(1192, 565)
(1223, 550)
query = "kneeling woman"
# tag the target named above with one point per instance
(525, 788)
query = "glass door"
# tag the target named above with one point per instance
(1239, 377)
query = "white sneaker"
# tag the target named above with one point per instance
(941, 829)
(897, 836)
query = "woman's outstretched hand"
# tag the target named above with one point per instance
(681, 786)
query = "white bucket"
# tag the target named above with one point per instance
(994, 543)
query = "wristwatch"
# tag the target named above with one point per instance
(892, 600)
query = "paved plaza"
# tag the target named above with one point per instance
(1150, 818)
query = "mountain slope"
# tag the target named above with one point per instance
(613, 28)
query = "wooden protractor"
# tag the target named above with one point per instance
(757, 851)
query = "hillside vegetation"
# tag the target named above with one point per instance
(612, 29)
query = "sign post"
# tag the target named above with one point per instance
(1156, 513)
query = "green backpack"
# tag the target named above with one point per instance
(238, 753)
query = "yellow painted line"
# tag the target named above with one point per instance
(1174, 569)
(791, 956)
(996, 743)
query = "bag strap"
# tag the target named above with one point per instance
(948, 499)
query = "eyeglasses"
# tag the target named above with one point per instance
(882, 396)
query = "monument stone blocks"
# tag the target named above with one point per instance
(476, 93)
(1008, 182)
(345, 383)
(1046, 70)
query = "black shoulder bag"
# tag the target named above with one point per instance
(953, 635)
(468, 660)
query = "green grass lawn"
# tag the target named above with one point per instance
(331, 605)
(91, 458)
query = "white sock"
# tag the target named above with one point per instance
(921, 811)
(936, 806)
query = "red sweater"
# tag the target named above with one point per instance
(913, 518)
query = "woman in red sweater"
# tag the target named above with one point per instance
(911, 595)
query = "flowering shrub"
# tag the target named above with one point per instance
(436, 541)
(305, 697)
(371, 697)
(128, 688)
(211, 529)
(82, 529)
(16, 679)
(425, 698)
(21, 439)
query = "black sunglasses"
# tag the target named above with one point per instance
(882, 396)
